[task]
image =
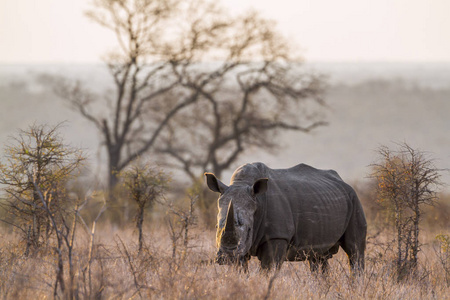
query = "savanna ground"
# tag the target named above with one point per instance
(118, 271)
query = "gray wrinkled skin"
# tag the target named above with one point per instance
(295, 214)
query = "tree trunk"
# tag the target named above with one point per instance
(59, 274)
(140, 221)
(113, 180)
(113, 167)
(415, 247)
(399, 238)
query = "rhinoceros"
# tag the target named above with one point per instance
(296, 214)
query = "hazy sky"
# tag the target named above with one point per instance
(43, 31)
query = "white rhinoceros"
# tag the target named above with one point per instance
(294, 214)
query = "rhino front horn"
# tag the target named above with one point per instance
(229, 236)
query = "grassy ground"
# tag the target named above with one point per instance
(117, 271)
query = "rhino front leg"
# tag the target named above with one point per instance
(272, 253)
(243, 263)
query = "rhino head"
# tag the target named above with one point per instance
(237, 206)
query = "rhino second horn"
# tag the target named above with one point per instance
(229, 234)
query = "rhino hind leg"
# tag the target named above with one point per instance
(354, 244)
(272, 253)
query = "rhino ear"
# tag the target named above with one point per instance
(215, 184)
(260, 186)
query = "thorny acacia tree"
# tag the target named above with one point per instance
(35, 173)
(174, 54)
(407, 180)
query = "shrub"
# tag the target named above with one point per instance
(37, 167)
(144, 186)
(406, 180)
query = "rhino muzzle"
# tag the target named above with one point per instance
(231, 259)
(223, 259)
(226, 257)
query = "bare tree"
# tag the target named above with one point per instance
(407, 180)
(152, 44)
(139, 76)
(145, 186)
(237, 71)
(260, 91)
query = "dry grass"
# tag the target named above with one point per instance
(118, 272)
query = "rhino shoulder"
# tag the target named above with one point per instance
(304, 168)
(249, 172)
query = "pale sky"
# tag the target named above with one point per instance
(56, 31)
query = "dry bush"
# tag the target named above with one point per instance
(435, 217)
(408, 180)
(144, 186)
(34, 175)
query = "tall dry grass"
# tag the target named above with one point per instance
(119, 272)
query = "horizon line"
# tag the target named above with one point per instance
(48, 63)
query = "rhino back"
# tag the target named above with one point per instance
(309, 208)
